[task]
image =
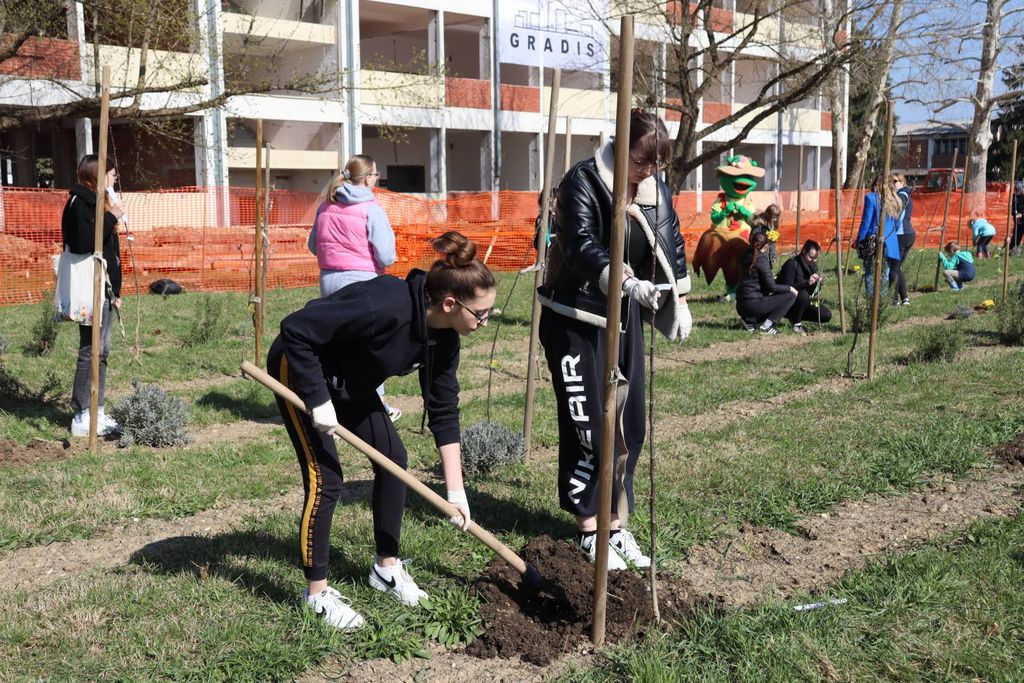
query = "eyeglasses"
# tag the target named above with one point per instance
(646, 165)
(374, 174)
(481, 316)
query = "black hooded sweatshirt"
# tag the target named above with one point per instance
(78, 228)
(348, 343)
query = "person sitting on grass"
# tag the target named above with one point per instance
(801, 273)
(334, 353)
(760, 300)
(957, 265)
(983, 234)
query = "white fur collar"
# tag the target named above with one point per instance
(646, 192)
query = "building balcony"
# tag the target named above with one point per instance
(163, 69)
(290, 159)
(578, 104)
(794, 120)
(265, 35)
(520, 98)
(42, 58)
(392, 89)
(469, 93)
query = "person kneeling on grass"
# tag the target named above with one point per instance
(957, 265)
(801, 273)
(334, 353)
(760, 300)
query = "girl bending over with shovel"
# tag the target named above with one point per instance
(334, 353)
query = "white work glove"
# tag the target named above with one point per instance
(324, 418)
(685, 319)
(644, 292)
(458, 499)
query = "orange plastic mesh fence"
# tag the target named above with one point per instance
(204, 238)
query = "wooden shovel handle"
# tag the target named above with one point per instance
(381, 460)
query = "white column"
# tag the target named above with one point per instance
(76, 32)
(536, 150)
(487, 149)
(437, 183)
(352, 67)
(212, 133)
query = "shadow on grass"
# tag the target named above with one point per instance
(243, 408)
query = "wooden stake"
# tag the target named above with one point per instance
(265, 240)
(963, 193)
(542, 251)
(945, 218)
(97, 271)
(613, 318)
(567, 161)
(836, 171)
(799, 196)
(257, 323)
(1009, 225)
(876, 277)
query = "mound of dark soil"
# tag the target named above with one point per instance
(538, 626)
(36, 450)
(1010, 452)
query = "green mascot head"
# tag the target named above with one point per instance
(738, 176)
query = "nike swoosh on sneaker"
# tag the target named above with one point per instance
(390, 584)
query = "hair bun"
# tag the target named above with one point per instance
(457, 250)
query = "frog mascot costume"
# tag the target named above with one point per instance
(721, 245)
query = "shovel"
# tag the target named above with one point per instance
(531, 577)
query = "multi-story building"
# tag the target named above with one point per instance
(921, 146)
(418, 88)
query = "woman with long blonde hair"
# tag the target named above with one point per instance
(352, 236)
(883, 191)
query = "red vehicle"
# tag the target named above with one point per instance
(937, 179)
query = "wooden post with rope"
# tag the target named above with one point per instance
(98, 281)
(876, 277)
(1009, 225)
(542, 243)
(945, 218)
(614, 320)
(256, 299)
(837, 173)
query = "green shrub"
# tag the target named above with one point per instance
(209, 323)
(940, 344)
(43, 335)
(152, 417)
(859, 312)
(14, 393)
(487, 445)
(1010, 318)
(960, 312)
(452, 618)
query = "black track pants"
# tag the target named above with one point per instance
(772, 307)
(322, 476)
(575, 354)
(803, 312)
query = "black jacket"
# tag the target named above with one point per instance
(760, 283)
(583, 233)
(78, 228)
(345, 345)
(796, 273)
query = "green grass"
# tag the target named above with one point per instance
(951, 610)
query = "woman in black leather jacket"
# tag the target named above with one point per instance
(575, 301)
(759, 298)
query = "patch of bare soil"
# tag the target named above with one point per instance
(538, 626)
(36, 450)
(444, 665)
(234, 432)
(1011, 452)
(752, 564)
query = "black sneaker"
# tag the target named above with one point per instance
(800, 329)
(769, 330)
(747, 325)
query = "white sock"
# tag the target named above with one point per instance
(766, 325)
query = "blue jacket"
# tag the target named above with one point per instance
(982, 228)
(869, 226)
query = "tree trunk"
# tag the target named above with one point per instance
(860, 157)
(981, 130)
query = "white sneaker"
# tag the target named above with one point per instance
(588, 547)
(105, 425)
(80, 424)
(335, 609)
(625, 545)
(397, 581)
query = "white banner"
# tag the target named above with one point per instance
(563, 34)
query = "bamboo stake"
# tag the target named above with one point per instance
(1009, 225)
(97, 270)
(945, 218)
(799, 196)
(257, 323)
(836, 171)
(542, 250)
(265, 238)
(876, 295)
(613, 318)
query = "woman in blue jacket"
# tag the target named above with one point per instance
(883, 192)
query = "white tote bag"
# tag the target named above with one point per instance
(73, 296)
